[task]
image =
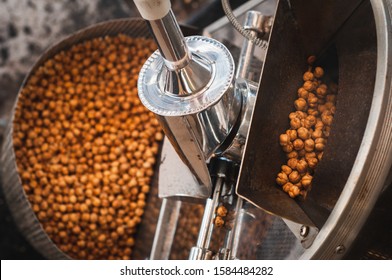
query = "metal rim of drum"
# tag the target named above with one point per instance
(374, 159)
(16, 198)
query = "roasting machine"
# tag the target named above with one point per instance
(223, 97)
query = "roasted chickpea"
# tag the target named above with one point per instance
(294, 192)
(295, 123)
(284, 139)
(308, 76)
(292, 163)
(293, 154)
(300, 104)
(309, 145)
(286, 169)
(306, 180)
(318, 72)
(317, 134)
(302, 93)
(308, 86)
(282, 178)
(219, 222)
(302, 166)
(327, 117)
(311, 59)
(319, 144)
(287, 187)
(298, 144)
(321, 91)
(292, 133)
(221, 211)
(288, 148)
(303, 133)
(312, 162)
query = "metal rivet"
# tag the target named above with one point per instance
(340, 249)
(304, 231)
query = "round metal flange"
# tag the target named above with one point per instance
(162, 103)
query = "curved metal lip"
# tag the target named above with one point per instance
(212, 72)
(172, 105)
(349, 213)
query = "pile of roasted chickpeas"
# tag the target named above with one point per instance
(85, 146)
(310, 126)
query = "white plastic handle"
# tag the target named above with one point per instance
(153, 9)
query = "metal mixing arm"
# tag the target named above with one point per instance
(188, 84)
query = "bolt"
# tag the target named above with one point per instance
(304, 231)
(340, 249)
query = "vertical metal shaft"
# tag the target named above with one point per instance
(256, 24)
(170, 41)
(166, 228)
(207, 226)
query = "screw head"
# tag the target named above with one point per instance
(304, 231)
(340, 249)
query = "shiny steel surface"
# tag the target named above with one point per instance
(166, 228)
(170, 40)
(258, 22)
(198, 123)
(185, 73)
(176, 181)
(246, 83)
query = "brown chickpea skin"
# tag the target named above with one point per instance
(71, 144)
(308, 76)
(302, 93)
(317, 134)
(308, 85)
(219, 222)
(221, 211)
(298, 144)
(303, 133)
(309, 145)
(312, 162)
(292, 133)
(302, 166)
(306, 180)
(318, 72)
(287, 187)
(293, 154)
(300, 104)
(282, 178)
(292, 163)
(295, 123)
(294, 191)
(284, 139)
(294, 177)
(286, 169)
(321, 91)
(320, 144)
(288, 148)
